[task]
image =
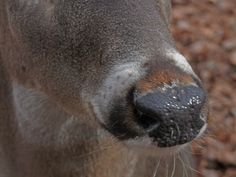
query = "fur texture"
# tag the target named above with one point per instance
(63, 63)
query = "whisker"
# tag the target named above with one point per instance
(157, 166)
(191, 168)
(174, 167)
(183, 165)
(95, 151)
(178, 130)
(167, 167)
(191, 152)
(91, 153)
(198, 145)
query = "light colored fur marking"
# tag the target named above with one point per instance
(202, 130)
(118, 80)
(180, 60)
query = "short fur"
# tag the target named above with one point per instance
(58, 61)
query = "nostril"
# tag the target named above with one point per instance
(147, 122)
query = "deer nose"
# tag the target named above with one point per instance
(171, 115)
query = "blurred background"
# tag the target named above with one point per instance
(205, 32)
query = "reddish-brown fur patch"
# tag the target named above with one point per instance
(158, 78)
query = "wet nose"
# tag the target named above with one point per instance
(171, 114)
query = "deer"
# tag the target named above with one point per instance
(95, 89)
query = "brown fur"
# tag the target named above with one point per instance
(161, 77)
(52, 64)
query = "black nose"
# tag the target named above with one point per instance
(172, 114)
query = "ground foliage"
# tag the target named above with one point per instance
(205, 32)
